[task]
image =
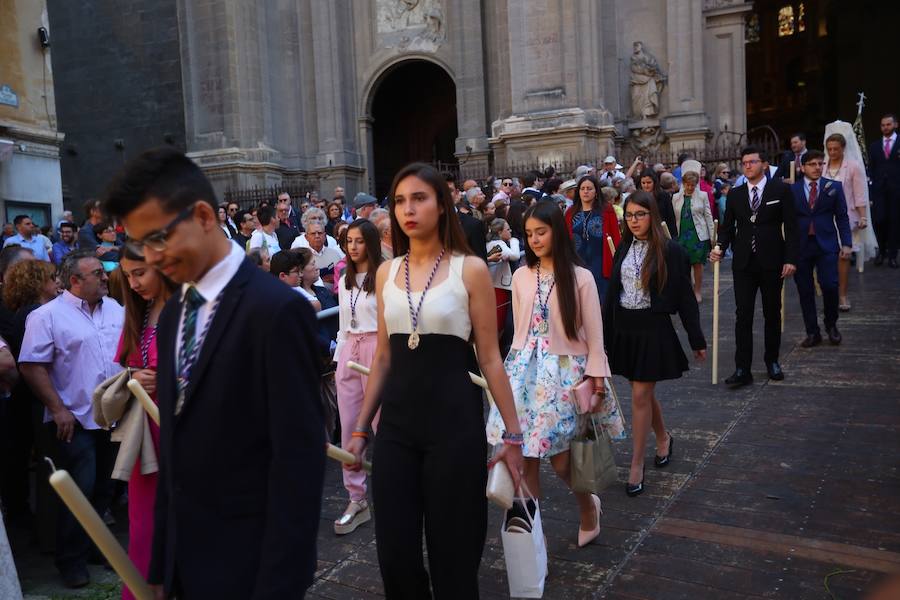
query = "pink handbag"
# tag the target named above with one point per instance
(585, 399)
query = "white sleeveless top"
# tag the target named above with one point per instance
(446, 306)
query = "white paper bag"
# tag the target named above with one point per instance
(525, 553)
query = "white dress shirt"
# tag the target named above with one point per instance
(209, 286)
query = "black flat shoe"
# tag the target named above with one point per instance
(635, 489)
(892, 263)
(775, 372)
(662, 461)
(834, 336)
(879, 260)
(741, 377)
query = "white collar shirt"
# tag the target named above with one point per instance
(210, 286)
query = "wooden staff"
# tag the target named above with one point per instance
(715, 331)
(81, 508)
(331, 451)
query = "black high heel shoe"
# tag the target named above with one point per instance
(636, 489)
(663, 461)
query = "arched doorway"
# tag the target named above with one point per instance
(413, 118)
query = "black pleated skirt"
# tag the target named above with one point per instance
(645, 346)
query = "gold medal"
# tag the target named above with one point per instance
(543, 327)
(353, 323)
(413, 341)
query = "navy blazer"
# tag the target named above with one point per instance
(242, 467)
(829, 216)
(884, 172)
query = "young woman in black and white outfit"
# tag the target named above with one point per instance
(430, 452)
(650, 281)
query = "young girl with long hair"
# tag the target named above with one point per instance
(558, 341)
(590, 220)
(146, 294)
(430, 452)
(650, 281)
(356, 342)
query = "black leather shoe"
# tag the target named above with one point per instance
(635, 489)
(663, 461)
(892, 263)
(811, 340)
(775, 372)
(834, 336)
(75, 577)
(740, 377)
(879, 260)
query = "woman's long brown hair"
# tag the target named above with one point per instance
(564, 261)
(450, 231)
(136, 308)
(373, 255)
(655, 260)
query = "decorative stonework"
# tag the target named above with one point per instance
(647, 138)
(411, 25)
(717, 4)
(647, 81)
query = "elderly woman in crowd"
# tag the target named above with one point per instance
(694, 224)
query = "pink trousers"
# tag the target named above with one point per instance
(351, 389)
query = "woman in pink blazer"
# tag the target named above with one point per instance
(558, 342)
(853, 178)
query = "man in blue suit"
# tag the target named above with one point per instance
(824, 231)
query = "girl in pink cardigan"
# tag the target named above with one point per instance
(558, 341)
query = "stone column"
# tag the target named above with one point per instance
(725, 77)
(338, 160)
(555, 70)
(686, 124)
(472, 149)
(226, 93)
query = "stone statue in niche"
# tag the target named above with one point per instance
(647, 81)
(411, 25)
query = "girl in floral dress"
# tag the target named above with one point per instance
(558, 341)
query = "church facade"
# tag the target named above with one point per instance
(345, 90)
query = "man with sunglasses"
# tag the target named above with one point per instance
(241, 460)
(68, 350)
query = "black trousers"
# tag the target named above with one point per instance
(886, 221)
(430, 470)
(747, 282)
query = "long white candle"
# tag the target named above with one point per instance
(612, 246)
(144, 398)
(476, 379)
(75, 500)
(341, 455)
(715, 332)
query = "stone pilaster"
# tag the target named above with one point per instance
(686, 123)
(724, 66)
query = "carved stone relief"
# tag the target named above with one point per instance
(411, 25)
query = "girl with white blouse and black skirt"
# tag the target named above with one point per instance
(430, 452)
(356, 341)
(650, 281)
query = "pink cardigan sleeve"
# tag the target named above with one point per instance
(592, 323)
(857, 184)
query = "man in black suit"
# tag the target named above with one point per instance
(241, 458)
(884, 170)
(531, 193)
(794, 155)
(755, 214)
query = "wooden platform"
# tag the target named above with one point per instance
(773, 488)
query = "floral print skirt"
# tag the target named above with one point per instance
(541, 385)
